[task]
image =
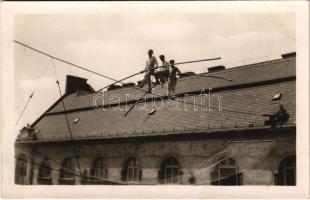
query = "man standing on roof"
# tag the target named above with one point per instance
(173, 78)
(163, 71)
(151, 63)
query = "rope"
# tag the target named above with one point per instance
(67, 120)
(31, 95)
(64, 61)
(102, 75)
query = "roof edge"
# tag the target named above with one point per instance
(50, 108)
(178, 133)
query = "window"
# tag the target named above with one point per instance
(287, 172)
(131, 172)
(226, 173)
(67, 172)
(21, 169)
(45, 173)
(170, 171)
(45, 169)
(99, 171)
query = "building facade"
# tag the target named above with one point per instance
(238, 129)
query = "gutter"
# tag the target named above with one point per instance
(189, 132)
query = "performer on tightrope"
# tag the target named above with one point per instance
(173, 78)
(151, 63)
(163, 71)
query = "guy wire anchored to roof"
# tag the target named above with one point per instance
(31, 95)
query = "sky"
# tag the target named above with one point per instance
(116, 43)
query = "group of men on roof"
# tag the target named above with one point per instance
(167, 72)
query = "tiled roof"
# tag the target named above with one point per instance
(241, 107)
(254, 73)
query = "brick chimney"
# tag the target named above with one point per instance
(74, 83)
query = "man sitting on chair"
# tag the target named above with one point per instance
(163, 71)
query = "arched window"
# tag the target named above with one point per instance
(21, 169)
(45, 173)
(99, 170)
(170, 171)
(131, 171)
(226, 173)
(67, 172)
(287, 171)
(45, 169)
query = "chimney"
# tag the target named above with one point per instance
(216, 68)
(74, 83)
(289, 55)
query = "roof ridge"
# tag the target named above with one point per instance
(259, 64)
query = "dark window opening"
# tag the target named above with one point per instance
(287, 172)
(226, 173)
(99, 170)
(21, 170)
(131, 171)
(67, 172)
(170, 171)
(45, 173)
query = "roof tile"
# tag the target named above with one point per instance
(239, 108)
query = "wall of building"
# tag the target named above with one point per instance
(25, 152)
(257, 159)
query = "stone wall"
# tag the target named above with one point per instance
(22, 151)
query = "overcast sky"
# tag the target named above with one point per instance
(116, 44)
